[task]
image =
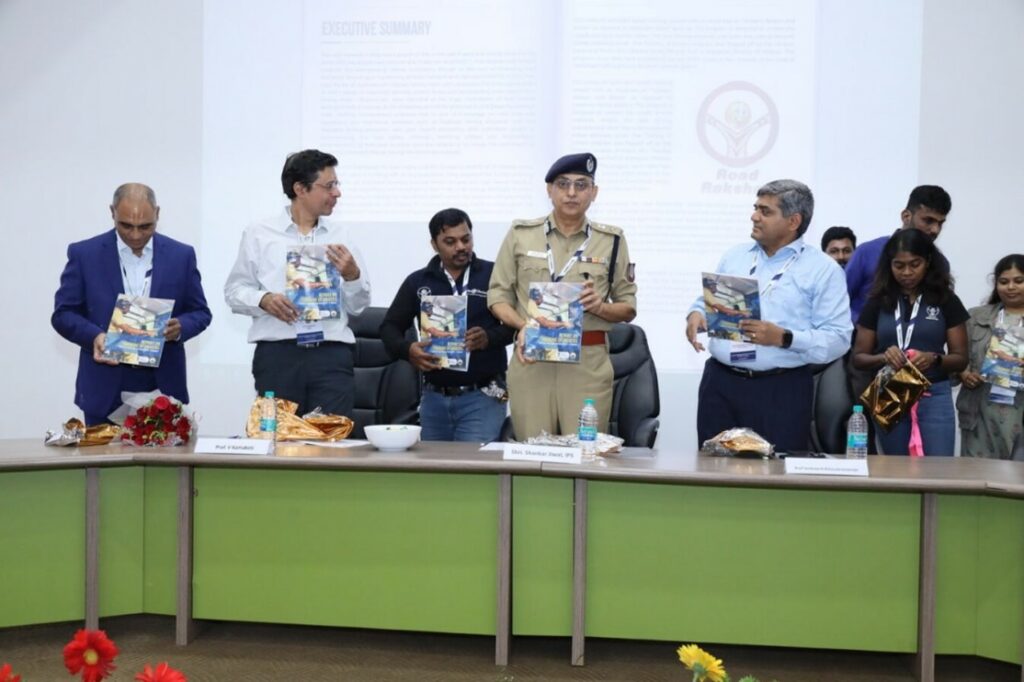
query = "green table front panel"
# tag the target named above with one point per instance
(42, 533)
(542, 556)
(804, 568)
(980, 577)
(403, 551)
(122, 516)
(160, 584)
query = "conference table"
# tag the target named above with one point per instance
(923, 556)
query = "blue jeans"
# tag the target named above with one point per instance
(471, 416)
(935, 418)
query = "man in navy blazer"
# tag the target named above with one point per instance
(131, 258)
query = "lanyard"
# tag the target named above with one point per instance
(778, 275)
(1002, 317)
(129, 282)
(457, 286)
(571, 261)
(898, 313)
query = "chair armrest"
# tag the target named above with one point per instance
(506, 434)
(646, 432)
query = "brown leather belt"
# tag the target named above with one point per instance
(594, 338)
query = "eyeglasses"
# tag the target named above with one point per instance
(329, 186)
(581, 185)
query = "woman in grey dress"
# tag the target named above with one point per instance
(990, 414)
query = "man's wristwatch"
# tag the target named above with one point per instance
(787, 338)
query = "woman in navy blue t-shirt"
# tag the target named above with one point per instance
(913, 312)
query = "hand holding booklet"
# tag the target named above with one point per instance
(135, 335)
(729, 299)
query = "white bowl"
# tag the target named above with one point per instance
(392, 437)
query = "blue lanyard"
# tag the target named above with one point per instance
(778, 275)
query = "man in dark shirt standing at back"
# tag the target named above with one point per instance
(927, 208)
(470, 405)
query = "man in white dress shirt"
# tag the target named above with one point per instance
(312, 368)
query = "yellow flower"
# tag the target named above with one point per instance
(705, 667)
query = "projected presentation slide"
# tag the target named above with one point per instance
(689, 107)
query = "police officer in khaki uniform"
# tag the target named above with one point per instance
(564, 246)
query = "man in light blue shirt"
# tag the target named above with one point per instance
(764, 383)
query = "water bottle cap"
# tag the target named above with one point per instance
(588, 401)
(268, 394)
(857, 409)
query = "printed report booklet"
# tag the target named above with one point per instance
(313, 283)
(135, 335)
(728, 299)
(443, 324)
(554, 326)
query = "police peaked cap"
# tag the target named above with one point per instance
(582, 164)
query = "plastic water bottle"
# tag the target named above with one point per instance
(857, 434)
(268, 419)
(587, 432)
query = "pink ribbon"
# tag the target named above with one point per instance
(916, 446)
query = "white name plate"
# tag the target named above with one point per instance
(232, 446)
(826, 467)
(542, 453)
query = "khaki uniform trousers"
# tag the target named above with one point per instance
(548, 396)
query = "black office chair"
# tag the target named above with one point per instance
(833, 404)
(387, 391)
(636, 402)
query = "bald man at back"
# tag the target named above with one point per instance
(133, 259)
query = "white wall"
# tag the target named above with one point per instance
(99, 92)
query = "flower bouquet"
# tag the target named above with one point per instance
(153, 419)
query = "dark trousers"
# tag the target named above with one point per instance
(777, 406)
(316, 376)
(134, 380)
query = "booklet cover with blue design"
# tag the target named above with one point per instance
(1002, 364)
(443, 324)
(554, 324)
(135, 335)
(728, 299)
(313, 283)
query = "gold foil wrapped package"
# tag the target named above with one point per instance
(333, 426)
(290, 426)
(75, 432)
(892, 393)
(739, 442)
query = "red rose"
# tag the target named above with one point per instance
(138, 440)
(129, 422)
(161, 402)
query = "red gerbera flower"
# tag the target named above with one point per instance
(6, 675)
(161, 673)
(91, 652)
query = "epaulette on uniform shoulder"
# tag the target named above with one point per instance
(610, 229)
(532, 222)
